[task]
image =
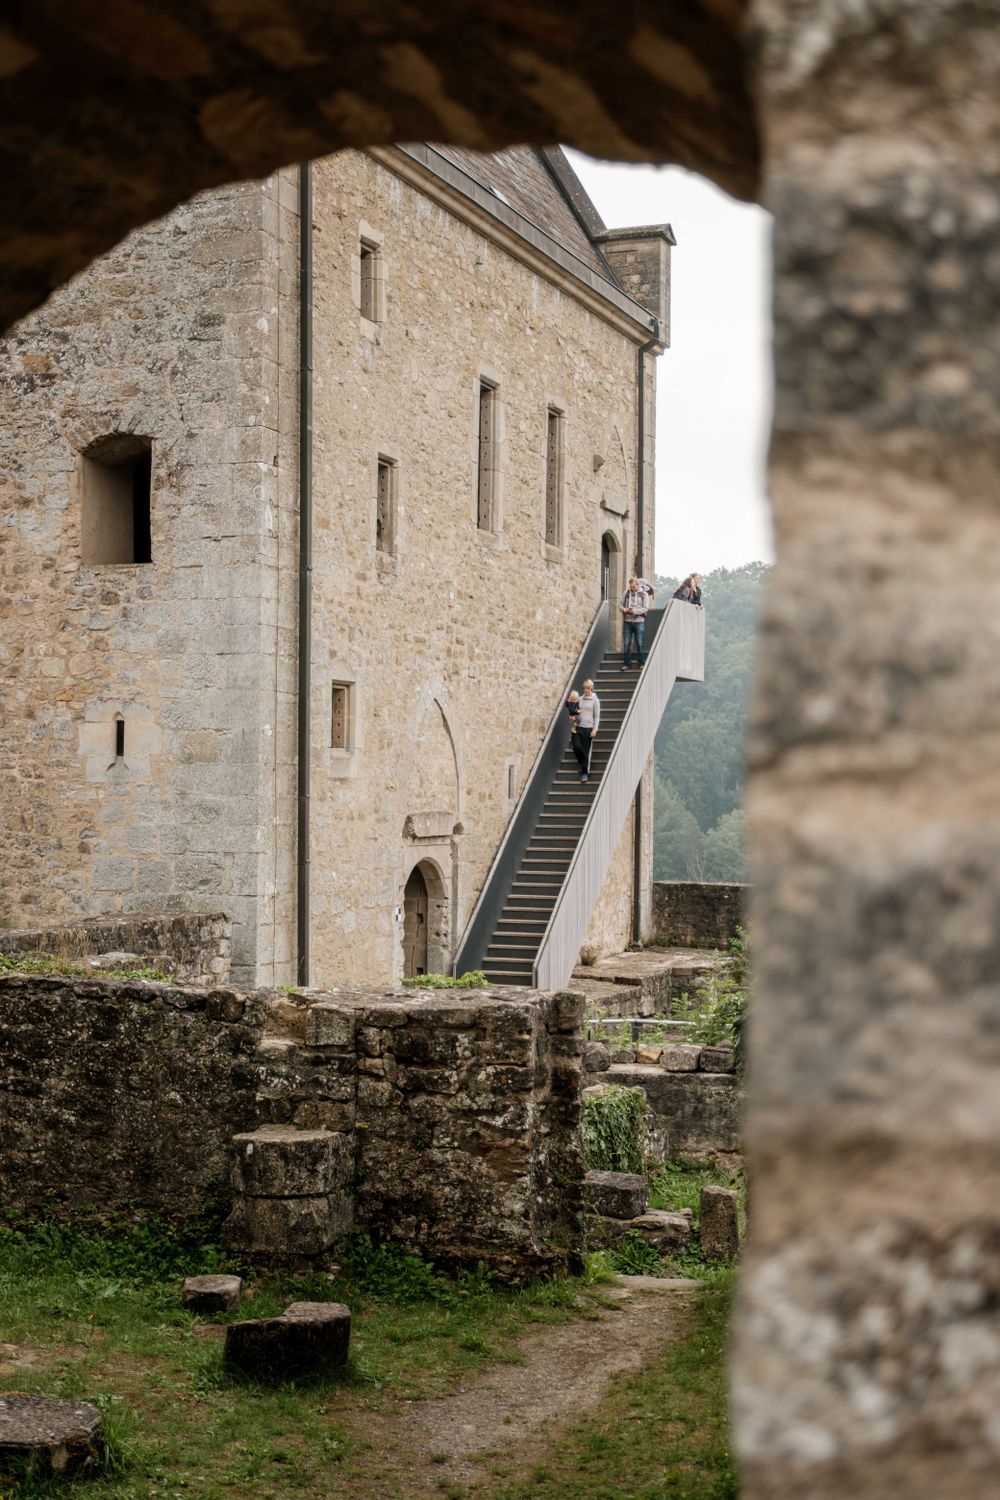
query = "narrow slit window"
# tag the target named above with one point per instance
(486, 483)
(385, 508)
(511, 783)
(340, 716)
(115, 501)
(554, 478)
(369, 281)
(119, 738)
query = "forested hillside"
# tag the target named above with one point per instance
(699, 825)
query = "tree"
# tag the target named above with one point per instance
(699, 744)
(677, 839)
(724, 848)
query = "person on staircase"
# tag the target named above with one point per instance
(634, 604)
(585, 727)
(690, 590)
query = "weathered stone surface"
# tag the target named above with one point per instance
(647, 1052)
(191, 948)
(281, 1162)
(665, 1230)
(118, 1095)
(330, 1025)
(865, 1355)
(678, 1057)
(616, 1195)
(288, 1227)
(241, 91)
(212, 1293)
(113, 960)
(716, 1059)
(698, 914)
(718, 1226)
(596, 1057)
(309, 1339)
(49, 1436)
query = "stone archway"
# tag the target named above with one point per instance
(426, 921)
(612, 582)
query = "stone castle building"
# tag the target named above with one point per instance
(475, 456)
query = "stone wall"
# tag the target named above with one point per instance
(462, 1111)
(454, 307)
(187, 335)
(191, 949)
(694, 1111)
(698, 914)
(465, 1111)
(117, 1096)
(162, 340)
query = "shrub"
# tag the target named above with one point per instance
(725, 1003)
(474, 980)
(613, 1130)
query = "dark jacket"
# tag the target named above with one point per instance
(688, 594)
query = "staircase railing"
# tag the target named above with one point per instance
(677, 654)
(496, 888)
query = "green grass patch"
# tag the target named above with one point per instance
(94, 1313)
(474, 980)
(51, 963)
(660, 1435)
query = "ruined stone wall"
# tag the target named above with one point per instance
(694, 1097)
(456, 647)
(463, 1111)
(866, 1351)
(118, 1096)
(191, 949)
(697, 913)
(165, 339)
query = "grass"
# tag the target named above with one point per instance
(658, 1435)
(95, 1316)
(51, 963)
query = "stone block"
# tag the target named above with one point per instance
(680, 1057)
(224, 1005)
(47, 1436)
(716, 1060)
(211, 1294)
(330, 1025)
(596, 1057)
(648, 1053)
(309, 1339)
(283, 1162)
(114, 961)
(616, 1195)
(288, 1227)
(664, 1230)
(719, 1231)
(568, 1010)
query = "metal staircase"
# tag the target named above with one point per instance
(541, 891)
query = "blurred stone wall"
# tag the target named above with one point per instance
(868, 1351)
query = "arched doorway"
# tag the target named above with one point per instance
(415, 925)
(426, 925)
(611, 581)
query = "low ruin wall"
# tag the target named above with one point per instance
(692, 1114)
(698, 914)
(191, 948)
(463, 1113)
(117, 1095)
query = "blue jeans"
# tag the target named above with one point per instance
(634, 628)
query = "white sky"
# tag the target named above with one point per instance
(714, 382)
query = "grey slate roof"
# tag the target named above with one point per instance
(541, 185)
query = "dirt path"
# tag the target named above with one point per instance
(511, 1412)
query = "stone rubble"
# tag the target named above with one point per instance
(307, 1340)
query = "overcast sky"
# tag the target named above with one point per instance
(714, 382)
